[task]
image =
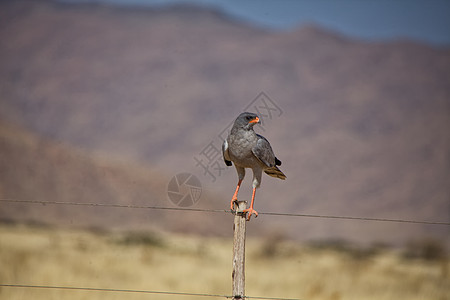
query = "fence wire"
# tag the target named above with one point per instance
(280, 214)
(92, 289)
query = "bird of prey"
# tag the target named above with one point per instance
(247, 149)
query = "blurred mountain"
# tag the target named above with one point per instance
(40, 170)
(361, 128)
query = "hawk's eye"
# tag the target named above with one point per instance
(249, 118)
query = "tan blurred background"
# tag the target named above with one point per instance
(104, 104)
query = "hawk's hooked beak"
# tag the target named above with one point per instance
(255, 120)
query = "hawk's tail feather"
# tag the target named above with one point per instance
(275, 172)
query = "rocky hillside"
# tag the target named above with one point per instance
(361, 128)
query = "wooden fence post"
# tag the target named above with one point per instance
(238, 274)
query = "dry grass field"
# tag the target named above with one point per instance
(159, 262)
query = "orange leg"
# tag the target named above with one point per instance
(235, 199)
(250, 210)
